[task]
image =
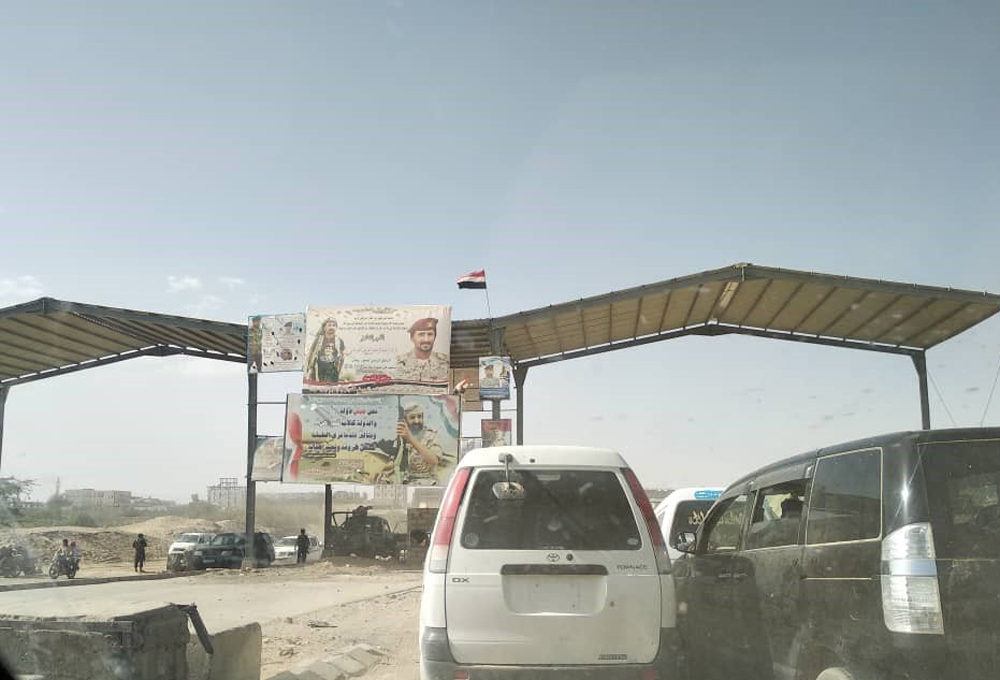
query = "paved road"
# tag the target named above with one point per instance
(224, 598)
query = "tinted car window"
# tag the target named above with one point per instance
(846, 500)
(963, 492)
(777, 516)
(565, 509)
(723, 526)
(688, 516)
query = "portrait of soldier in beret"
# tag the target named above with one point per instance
(422, 363)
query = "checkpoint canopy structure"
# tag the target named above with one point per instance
(48, 337)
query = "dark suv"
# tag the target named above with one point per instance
(227, 551)
(877, 559)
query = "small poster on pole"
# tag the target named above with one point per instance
(496, 432)
(275, 343)
(494, 377)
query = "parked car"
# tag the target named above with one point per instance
(227, 551)
(180, 551)
(546, 561)
(682, 511)
(878, 558)
(286, 549)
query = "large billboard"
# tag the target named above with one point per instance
(380, 350)
(371, 439)
(496, 432)
(275, 343)
(494, 377)
(267, 459)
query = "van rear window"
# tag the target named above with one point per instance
(963, 492)
(560, 510)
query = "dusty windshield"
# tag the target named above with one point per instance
(578, 338)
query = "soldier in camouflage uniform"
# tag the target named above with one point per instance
(422, 363)
(423, 457)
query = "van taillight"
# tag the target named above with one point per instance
(437, 558)
(911, 602)
(652, 525)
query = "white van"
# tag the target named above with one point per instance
(546, 561)
(682, 511)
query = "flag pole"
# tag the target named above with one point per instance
(489, 311)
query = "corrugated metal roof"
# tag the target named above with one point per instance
(749, 298)
(49, 337)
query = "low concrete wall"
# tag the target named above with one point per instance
(236, 655)
(147, 645)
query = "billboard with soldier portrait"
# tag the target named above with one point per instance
(496, 432)
(275, 343)
(494, 377)
(371, 439)
(377, 350)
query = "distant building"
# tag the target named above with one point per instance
(228, 493)
(389, 494)
(152, 505)
(98, 498)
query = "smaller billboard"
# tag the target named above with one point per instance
(275, 343)
(267, 459)
(496, 432)
(494, 377)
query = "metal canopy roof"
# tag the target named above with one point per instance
(866, 314)
(51, 337)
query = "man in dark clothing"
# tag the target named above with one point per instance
(139, 545)
(302, 545)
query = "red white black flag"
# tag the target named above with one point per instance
(473, 280)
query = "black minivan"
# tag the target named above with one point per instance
(873, 560)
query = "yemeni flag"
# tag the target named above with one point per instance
(473, 280)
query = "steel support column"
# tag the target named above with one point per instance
(520, 375)
(3, 400)
(327, 521)
(920, 363)
(250, 555)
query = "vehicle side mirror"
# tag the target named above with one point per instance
(685, 541)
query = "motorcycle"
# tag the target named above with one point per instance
(61, 564)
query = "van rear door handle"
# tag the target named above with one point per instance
(724, 576)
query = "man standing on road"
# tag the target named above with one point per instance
(302, 546)
(139, 545)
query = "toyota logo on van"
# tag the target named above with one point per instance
(552, 557)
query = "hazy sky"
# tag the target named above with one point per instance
(220, 159)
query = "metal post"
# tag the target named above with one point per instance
(327, 521)
(495, 404)
(520, 375)
(3, 400)
(920, 363)
(250, 554)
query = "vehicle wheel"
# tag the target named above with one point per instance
(835, 674)
(53, 572)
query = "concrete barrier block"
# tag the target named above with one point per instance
(284, 675)
(350, 666)
(363, 654)
(236, 655)
(321, 670)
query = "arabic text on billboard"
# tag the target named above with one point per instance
(494, 377)
(496, 432)
(383, 350)
(275, 343)
(371, 439)
(267, 459)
